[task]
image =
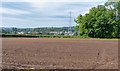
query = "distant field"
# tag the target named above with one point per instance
(59, 53)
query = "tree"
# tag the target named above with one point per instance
(100, 22)
(14, 30)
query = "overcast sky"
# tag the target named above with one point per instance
(47, 13)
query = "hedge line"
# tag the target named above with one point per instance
(37, 36)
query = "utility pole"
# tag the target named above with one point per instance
(70, 21)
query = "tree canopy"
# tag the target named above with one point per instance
(101, 21)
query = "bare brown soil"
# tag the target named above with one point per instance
(59, 53)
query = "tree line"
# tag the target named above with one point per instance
(102, 21)
(42, 30)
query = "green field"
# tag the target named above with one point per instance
(51, 36)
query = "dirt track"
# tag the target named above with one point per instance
(59, 53)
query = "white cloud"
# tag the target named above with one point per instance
(54, 0)
(44, 13)
(12, 11)
(38, 4)
(15, 22)
(22, 23)
(101, 4)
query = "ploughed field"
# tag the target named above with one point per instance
(50, 53)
